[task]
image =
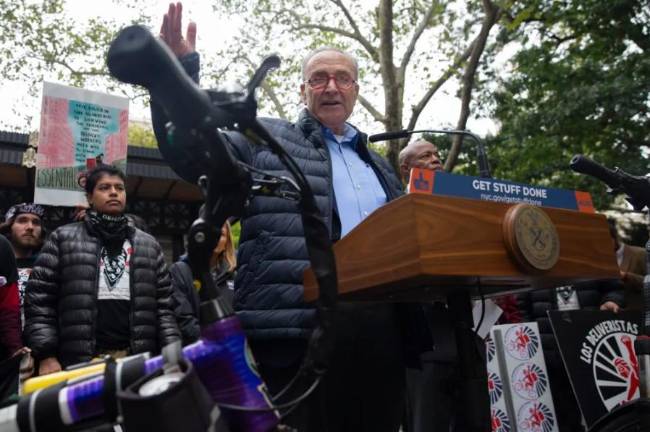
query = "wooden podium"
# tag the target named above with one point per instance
(424, 247)
(421, 247)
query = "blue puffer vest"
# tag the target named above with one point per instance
(272, 254)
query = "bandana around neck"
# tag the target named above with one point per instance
(113, 267)
(112, 230)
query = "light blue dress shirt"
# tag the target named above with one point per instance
(357, 189)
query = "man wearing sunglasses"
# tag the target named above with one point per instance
(363, 389)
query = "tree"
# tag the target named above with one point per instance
(39, 40)
(580, 84)
(409, 50)
(492, 14)
(141, 136)
(409, 45)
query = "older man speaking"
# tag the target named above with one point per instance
(364, 387)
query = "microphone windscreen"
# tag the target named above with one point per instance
(384, 136)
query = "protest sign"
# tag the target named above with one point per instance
(79, 129)
(520, 393)
(598, 352)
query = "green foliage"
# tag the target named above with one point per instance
(378, 147)
(40, 41)
(466, 163)
(140, 136)
(580, 84)
(424, 44)
(50, 40)
(235, 230)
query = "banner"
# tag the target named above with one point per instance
(487, 189)
(520, 393)
(598, 352)
(79, 128)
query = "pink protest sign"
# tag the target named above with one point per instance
(79, 128)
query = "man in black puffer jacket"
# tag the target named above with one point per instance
(99, 286)
(533, 307)
(364, 387)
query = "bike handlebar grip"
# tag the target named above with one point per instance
(137, 57)
(584, 165)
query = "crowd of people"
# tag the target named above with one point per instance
(100, 286)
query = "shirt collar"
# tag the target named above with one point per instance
(350, 135)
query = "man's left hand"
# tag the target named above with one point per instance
(610, 306)
(171, 31)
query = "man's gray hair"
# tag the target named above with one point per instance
(319, 50)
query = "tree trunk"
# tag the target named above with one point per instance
(393, 88)
(492, 13)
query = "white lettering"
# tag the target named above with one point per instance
(481, 185)
(585, 353)
(534, 192)
(507, 188)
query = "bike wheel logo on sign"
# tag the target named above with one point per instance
(616, 369)
(535, 417)
(520, 393)
(521, 342)
(598, 352)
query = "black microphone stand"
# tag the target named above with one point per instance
(475, 398)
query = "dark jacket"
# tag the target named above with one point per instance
(186, 300)
(272, 254)
(10, 340)
(61, 298)
(534, 305)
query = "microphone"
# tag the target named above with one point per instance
(583, 165)
(637, 188)
(385, 136)
(483, 163)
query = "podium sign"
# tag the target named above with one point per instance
(598, 352)
(485, 189)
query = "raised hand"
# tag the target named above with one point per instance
(171, 31)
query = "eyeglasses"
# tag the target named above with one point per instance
(320, 81)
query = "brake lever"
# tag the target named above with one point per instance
(272, 187)
(268, 64)
(240, 101)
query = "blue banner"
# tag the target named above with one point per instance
(442, 183)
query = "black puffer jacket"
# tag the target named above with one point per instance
(61, 298)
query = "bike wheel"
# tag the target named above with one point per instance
(632, 417)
